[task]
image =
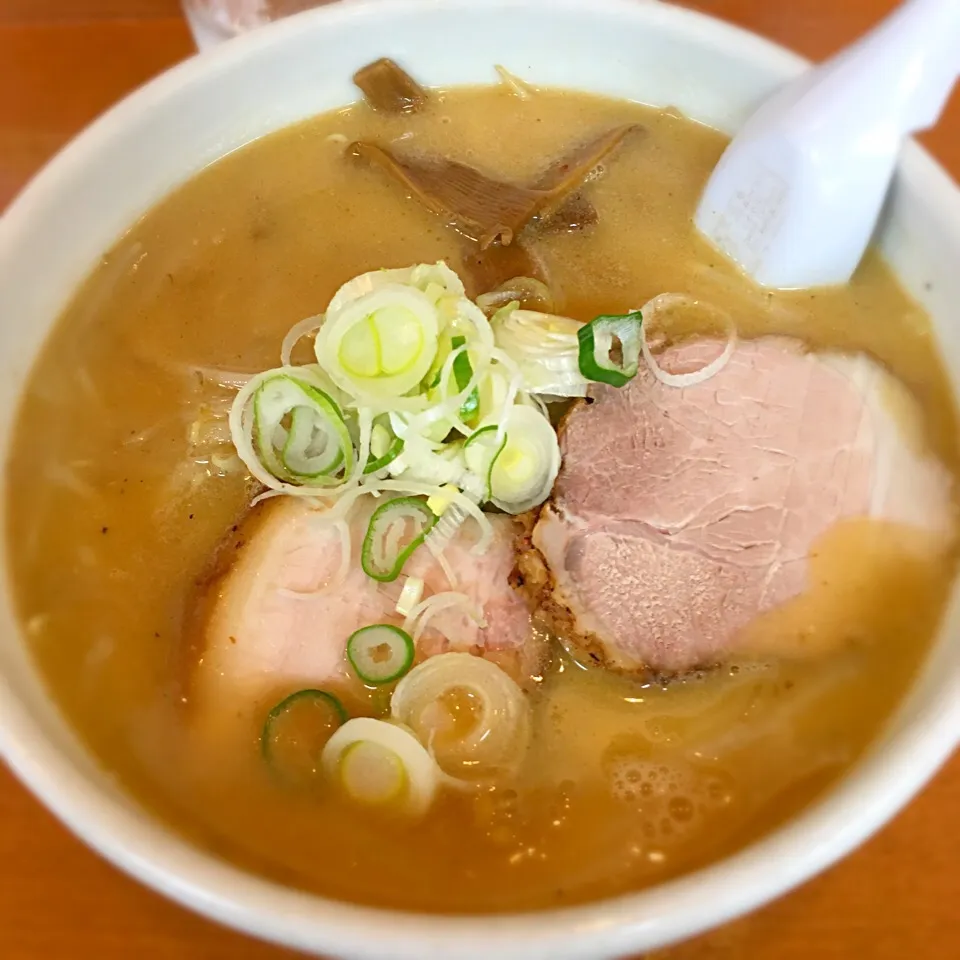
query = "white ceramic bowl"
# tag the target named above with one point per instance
(52, 235)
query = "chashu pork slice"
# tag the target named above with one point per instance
(681, 514)
(277, 620)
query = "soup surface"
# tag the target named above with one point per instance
(123, 488)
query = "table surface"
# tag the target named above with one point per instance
(64, 61)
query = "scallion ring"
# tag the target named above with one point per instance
(522, 473)
(382, 765)
(299, 431)
(598, 341)
(297, 729)
(432, 697)
(381, 345)
(396, 529)
(480, 451)
(380, 653)
(385, 447)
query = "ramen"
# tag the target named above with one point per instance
(411, 508)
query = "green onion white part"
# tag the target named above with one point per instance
(321, 440)
(423, 458)
(509, 400)
(385, 447)
(491, 747)
(481, 451)
(410, 595)
(453, 397)
(415, 391)
(667, 301)
(382, 765)
(545, 347)
(380, 653)
(295, 334)
(525, 468)
(417, 619)
(364, 437)
(382, 333)
(299, 431)
(436, 279)
(379, 347)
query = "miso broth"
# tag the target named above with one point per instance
(123, 488)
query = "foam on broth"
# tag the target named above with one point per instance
(121, 490)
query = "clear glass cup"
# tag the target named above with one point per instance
(213, 21)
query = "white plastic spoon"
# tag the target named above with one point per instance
(796, 195)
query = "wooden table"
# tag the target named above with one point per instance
(64, 61)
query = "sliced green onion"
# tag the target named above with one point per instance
(545, 347)
(435, 280)
(295, 456)
(463, 374)
(299, 430)
(523, 473)
(385, 447)
(600, 337)
(382, 765)
(384, 343)
(481, 450)
(380, 653)
(409, 596)
(436, 697)
(372, 773)
(443, 351)
(396, 529)
(297, 729)
(379, 346)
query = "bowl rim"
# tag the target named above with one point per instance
(879, 784)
